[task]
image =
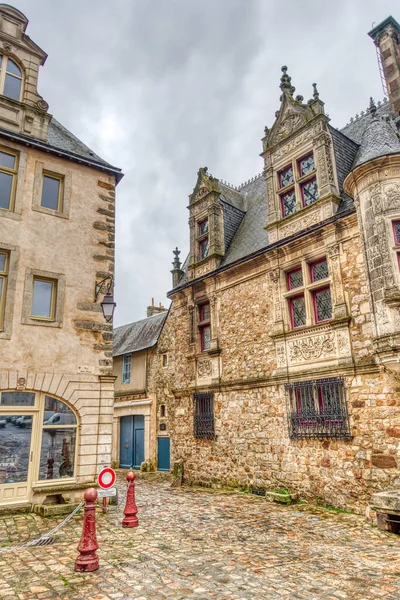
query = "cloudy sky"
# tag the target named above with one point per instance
(162, 87)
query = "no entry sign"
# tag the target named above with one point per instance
(106, 478)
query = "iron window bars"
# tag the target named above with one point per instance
(204, 415)
(317, 409)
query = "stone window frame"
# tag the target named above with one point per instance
(16, 210)
(9, 297)
(43, 169)
(297, 185)
(396, 240)
(202, 237)
(4, 58)
(307, 291)
(59, 279)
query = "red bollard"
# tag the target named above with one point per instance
(130, 510)
(88, 559)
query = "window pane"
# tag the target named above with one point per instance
(323, 305)
(203, 227)
(205, 312)
(17, 399)
(298, 310)
(295, 279)
(3, 262)
(205, 337)
(15, 443)
(306, 165)
(396, 230)
(50, 192)
(12, 87)
(42, 293)
(6, 181)
(288, 203)
(204, 248)
(13, 68)
(310, 192)
(57, 456)
(126, 368)
(286, 177)
(319, 270)
(7, 160)
(57, 412)
(1, 60)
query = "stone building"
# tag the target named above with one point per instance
(136, 357)
(56, 262)
(284, 328)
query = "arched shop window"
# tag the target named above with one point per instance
(37, 436)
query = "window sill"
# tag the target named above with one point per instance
(43, 322)
(51, 212)
(9, 214)
(330, 324)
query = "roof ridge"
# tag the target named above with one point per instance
(229, 185)
(379, 104)
(242, 185)
(140, 320)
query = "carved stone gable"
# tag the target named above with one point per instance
(206, 183)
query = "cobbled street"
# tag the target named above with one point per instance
(202, 544)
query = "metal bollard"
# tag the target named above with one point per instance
(88, 559)
(130, 510)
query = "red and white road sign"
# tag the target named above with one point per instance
(106, 478)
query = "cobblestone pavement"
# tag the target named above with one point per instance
(200, 545)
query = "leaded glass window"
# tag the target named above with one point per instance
(286, 177)
(298, 311)
(205, 337)
(295, 279)
(203, 227)
(204, 248)
(319, 270)
(309, 192)
(204, 312)
(322, 305)
(396, 232)
(288, 203)
(306, 165)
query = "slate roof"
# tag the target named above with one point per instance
(139, 335)
(356, 127)
(379, 138)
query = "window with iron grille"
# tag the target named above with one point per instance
(204, 415)
(317, 409)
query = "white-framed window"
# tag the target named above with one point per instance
(10, 78)
(126, 368)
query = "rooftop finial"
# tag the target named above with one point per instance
(316, 93)
(286, 81)
(372, 107)
(176, 264)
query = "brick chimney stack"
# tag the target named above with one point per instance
(386, 36)
(154, 310)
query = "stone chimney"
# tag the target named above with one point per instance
(176, 271)
(386, 36)
(154, 310)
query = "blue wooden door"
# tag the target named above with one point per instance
(163, 454)
(131, 453)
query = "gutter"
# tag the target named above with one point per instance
(278, 244)
(34, 143)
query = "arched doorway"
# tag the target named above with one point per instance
(38, 435)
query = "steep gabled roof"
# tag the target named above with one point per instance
(139, 335)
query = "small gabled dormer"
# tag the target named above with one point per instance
(207, 245)
(299, 165)
(22, 109)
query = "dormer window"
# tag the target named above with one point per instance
(10, 78)
(203, 239)
(298, 185)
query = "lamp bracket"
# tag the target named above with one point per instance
(99, 285)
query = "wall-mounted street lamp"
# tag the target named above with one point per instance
(107, 305)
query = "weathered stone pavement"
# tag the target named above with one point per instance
(195, 544)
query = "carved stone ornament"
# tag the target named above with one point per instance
(293, 144)
(343, 343)
(204, 368)
(280, 354)
(7, 46)
(300, 224)
(312, 348)
(201, 193)
(42, 105)
(288, 126)
(21, 383)
(393, 197)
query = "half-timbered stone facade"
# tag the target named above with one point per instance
(283, 332)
